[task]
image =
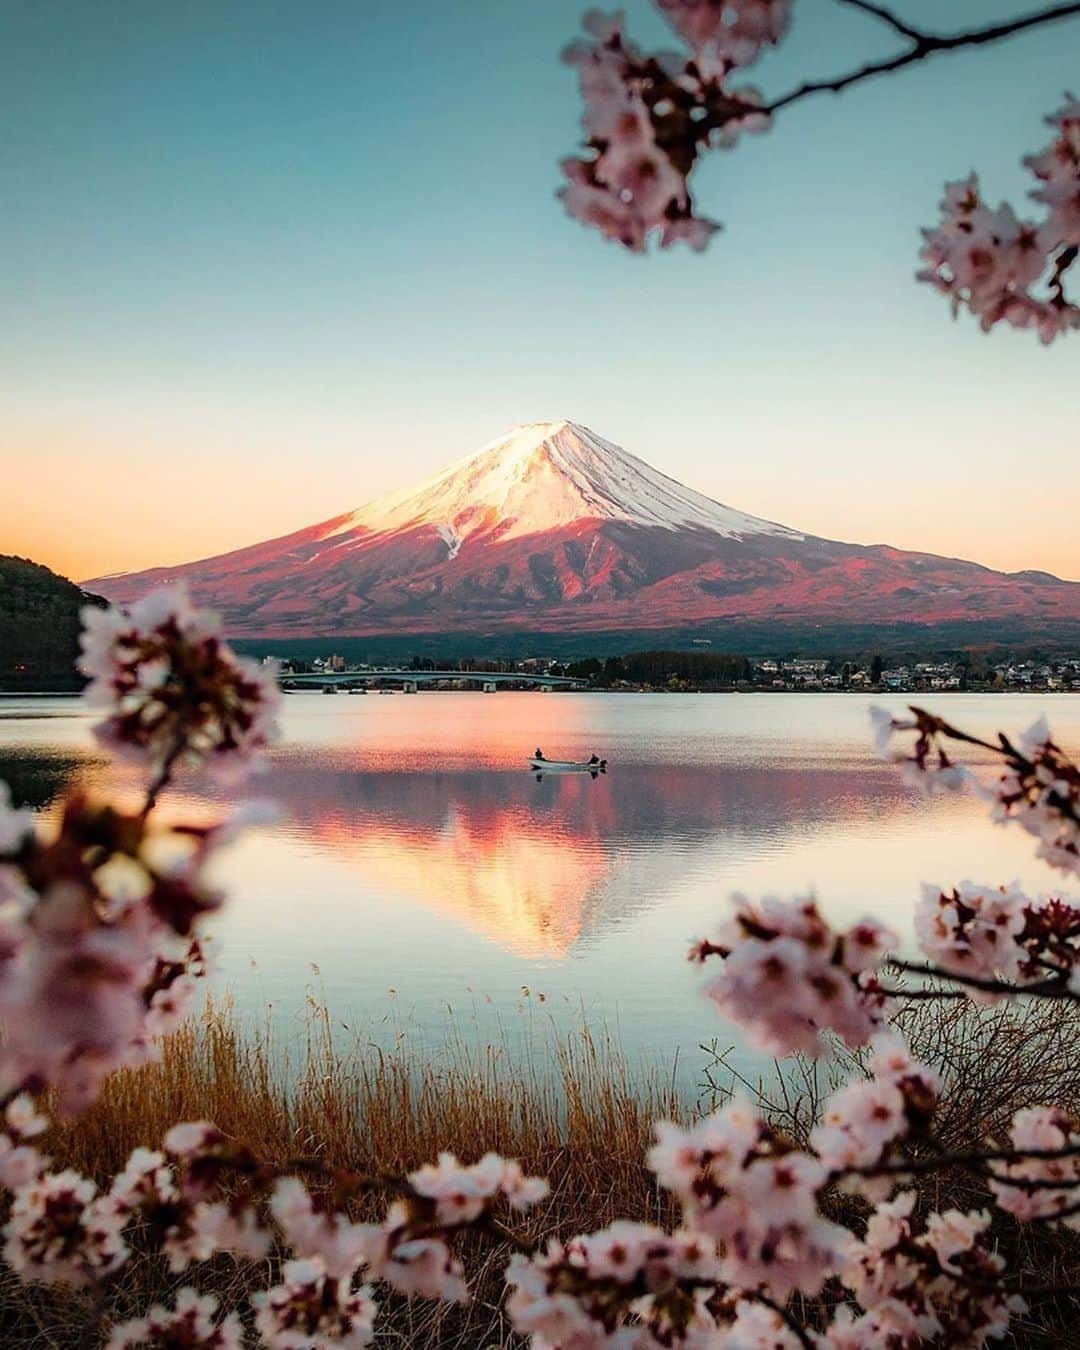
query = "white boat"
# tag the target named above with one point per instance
(568, 765)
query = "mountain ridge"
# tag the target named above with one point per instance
(551, 526)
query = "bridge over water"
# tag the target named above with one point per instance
(410, 680)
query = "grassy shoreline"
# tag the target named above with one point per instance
(582, 1117)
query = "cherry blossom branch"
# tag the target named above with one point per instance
(1065, 260)
(886, 16)
(968, 1158)
(163, 777)
(923, 44)
(1043, 989)
(348, 1183)
(788, 1317)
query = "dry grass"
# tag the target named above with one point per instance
(579, 1115)
(993, 1061)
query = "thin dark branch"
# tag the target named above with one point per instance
(163, 777)
(922, 995)
(886, 16)
(922, 46)
(797, 1330)
(1065, 260)
(1043, 989)
(978, 1158)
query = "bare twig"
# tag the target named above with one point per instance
(1056, 988)
(163, 777)
(886, 16)
(921, 46)
(796, 1328)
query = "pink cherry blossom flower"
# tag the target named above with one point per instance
(23, 1119)
(788, 977)
(973, 930)
(1003, 269)
(189, 1323)
(171, 688)
(192, 1138)
(20, 1164)
(728, 33)
(942, 1282)
(309, 1310)
(615, 1287)
(461, 1193)
(927, 768)
(15, 825)
(1039, 1188)
(342, 1246)
(59, 1232)
(1039, 789)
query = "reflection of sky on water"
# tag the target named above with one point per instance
(418, 855)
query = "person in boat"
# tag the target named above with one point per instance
(539, 753)
(594, 759)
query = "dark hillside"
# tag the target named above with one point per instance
(39, 627)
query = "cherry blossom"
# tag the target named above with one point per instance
(19, 1163)
(993, 264)
(863, 1122)
(1058, 170)
(927, 766)
(649, 115)
(411, 1263)
(1040, 1187)
(726, 34)
(1039, 789)
(310, 1310)
(756, 1326)
(942, 1283)
(787, 976)
(1037, 786)
(97, 953)
(630, 1284)
(973, 930)
(738, 1181)
(60, 1232)
(649, 118)
(16, 826)
(190, 1323)
(461, 1194)
(23, 1119)
(172, 690)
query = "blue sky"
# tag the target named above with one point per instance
(263, 261)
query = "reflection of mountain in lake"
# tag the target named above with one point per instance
(539, 867)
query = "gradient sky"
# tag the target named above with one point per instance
(265, 259)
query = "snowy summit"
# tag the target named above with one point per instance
(547, 475)
(553, 529)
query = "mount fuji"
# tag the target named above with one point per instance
(552, 529)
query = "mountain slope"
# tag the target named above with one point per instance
(553, 528)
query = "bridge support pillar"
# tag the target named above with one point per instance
(490, 686)
(409, 687)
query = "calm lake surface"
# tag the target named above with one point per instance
(422, 878)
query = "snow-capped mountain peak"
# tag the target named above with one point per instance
(549, 475)
(553, 529)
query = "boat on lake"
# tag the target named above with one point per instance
(541, 765)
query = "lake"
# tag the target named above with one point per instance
(422, 877)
